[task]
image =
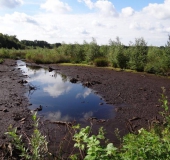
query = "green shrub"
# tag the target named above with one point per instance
(138, 55)
(4, 53)
(122, 60)
(157, 61)
(37, 148)
(1, 61)
(46, 56)
(101, 62)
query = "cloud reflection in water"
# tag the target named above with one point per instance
(85, 94)
(56, 90)
(57, 116)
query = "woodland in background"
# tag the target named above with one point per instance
(136, 56)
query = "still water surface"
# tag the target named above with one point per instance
(62, 100)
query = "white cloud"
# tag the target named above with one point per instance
(10, 3)
(135, 25)
(72, 28)
(97, 23)
(89, 3)
(128, 11)
(160, 11)
(80, 31)
(20, 18)
(105, 7)
(56, 6)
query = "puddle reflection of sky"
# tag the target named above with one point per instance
(61, 99)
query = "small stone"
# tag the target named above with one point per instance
(3, 137)
(73, 80)
(18, 128)
(5, 110)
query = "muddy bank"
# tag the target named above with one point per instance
(13, 103)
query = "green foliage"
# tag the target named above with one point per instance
(37, 148)
(157, 61)
(46, 56)
(10, 42)
(104, 50)
(78, 54)
(115, 48)
(117, 54)
(101, 62)
(1, 61)
(36, 43)
(122, 59)
(138, 55)
(91, 145)
(93, 51)
(12, 53)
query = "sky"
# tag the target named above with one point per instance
(76, 21)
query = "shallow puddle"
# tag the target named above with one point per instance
(62, 100)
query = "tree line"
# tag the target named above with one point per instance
(136, 56)
(11, 41)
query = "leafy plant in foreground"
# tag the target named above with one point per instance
(37, 148)
(90, 146)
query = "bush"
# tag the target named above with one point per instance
(157, 61)
(46, 56)
(37, 148)
(138, 57)
(1, 61)
(101, 62)
(122, 60)
(4, 53)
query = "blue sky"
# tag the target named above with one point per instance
(73, 21)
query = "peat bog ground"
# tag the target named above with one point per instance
(134, 95)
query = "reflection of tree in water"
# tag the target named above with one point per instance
(55, 74)
(32, 89)
(64, 78)
(35, 67)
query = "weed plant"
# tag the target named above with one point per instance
(37, 148)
